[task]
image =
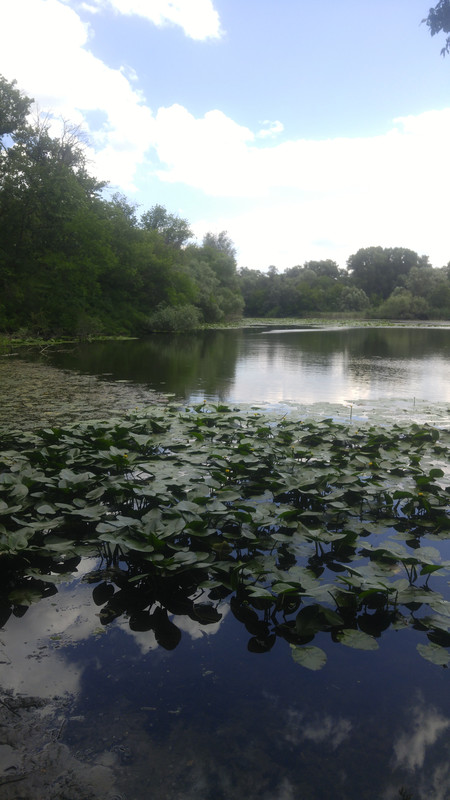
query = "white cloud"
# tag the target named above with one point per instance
(402, 159)
(198, 18)
(326, 199)
(272, 129)
(205, 153)
(297, 200)
(54, 65)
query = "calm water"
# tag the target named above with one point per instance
(279, 366)
(191, 712)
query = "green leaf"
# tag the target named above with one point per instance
(258, 591)
(311, 657)
(434, 653)
(357, 639)
(45, 508)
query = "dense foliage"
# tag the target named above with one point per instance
(72, 261)
(310, 529)
(390, 283)
(75, 261)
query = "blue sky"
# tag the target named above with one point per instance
(306, 130)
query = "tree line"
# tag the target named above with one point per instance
(384, 282)
(73, 261)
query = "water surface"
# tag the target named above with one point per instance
(199, 714)
(280, 366)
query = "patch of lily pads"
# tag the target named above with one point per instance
(306, 528)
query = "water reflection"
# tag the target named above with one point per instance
(248, 366)
(171, 698)
(426, 726)
(193, 695)
(341, 366)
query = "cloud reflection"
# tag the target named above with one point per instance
(427, 727)
(31, 647)
(422, 750)
(321, 730)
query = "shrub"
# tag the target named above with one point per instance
(173, 319)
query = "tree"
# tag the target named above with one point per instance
(438, 20)
(73, 261)
(174, 230)
(46, 244)
(326, 268)
(378, 270)
(353, 299)
(14, 108)
(404, 305)
(221, 242)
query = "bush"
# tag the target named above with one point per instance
(173, 319)
(404, 305)
(353, 299)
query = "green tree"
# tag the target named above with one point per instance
(221, 242)
(214, 267)
(72, 260)
(324, 269)
(378, 270)
(14, 109)
(402, 304)
(353, 299)
(45, 192)
(174, 230)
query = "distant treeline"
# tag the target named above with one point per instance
(389, 283)
(74, 262)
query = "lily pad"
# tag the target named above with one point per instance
(434, 653)
(311, 657)
(357, 639)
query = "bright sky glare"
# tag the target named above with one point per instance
(306, 130)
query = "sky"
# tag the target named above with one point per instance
(305, 130)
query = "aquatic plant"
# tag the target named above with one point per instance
(307, 527)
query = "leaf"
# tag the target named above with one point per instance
(311, 657)
(434, 653)
(258, 591)
(357, 639)
(25, 596)
(19, 490)
(45, 509)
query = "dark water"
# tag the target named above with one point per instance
(208, 719)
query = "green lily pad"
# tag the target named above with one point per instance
(357, 639)
(311, 657)
(434, 653)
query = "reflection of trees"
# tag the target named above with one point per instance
(207, 360)
(173, 363)
(398, 343)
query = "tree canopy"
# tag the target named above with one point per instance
(73, 260)
(377, 270)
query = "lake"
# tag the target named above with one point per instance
(186, 704)
(369, 367)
